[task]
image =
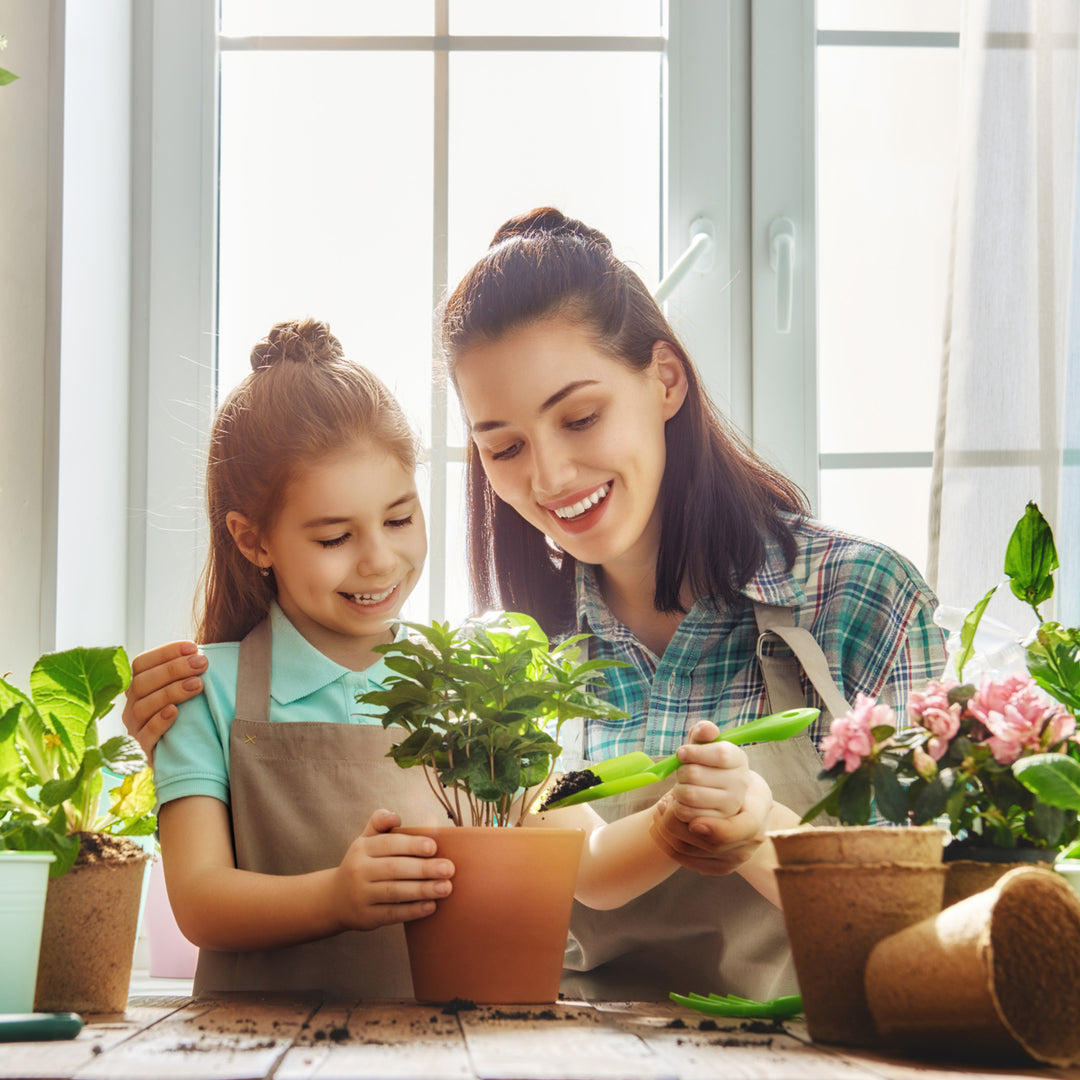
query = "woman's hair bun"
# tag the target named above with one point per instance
(298, 341)
(547, 221)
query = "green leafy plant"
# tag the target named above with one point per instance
(5, 75)
(51, 758)
(483, 706)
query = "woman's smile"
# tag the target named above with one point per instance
(578, 513)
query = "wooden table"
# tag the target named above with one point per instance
(247, 1037)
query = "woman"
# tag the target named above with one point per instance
(607, 493)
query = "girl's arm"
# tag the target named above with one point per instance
(384, 878)
(715, 787)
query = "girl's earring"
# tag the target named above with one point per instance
(265, 571)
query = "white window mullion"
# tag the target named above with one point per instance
(783, 191)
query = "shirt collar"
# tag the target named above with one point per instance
(298, 669)
(773, 585)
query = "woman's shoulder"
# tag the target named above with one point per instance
(829, 554)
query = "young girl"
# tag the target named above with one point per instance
(267, 779)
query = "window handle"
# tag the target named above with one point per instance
(782, 261)
(699, 255)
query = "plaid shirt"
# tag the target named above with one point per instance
(866, 606)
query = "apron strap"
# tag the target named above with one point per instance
(781, 673)
(253, 674)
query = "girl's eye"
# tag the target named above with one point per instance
(336, 542)
(584, 422)
(400, 523)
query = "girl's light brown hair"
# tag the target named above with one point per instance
(302, 401)
(719, 500)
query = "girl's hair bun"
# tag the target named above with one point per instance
(298, 341)
(547, 221)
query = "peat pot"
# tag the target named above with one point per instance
(992, 977)
(24, 876)
(843, 889)
(971, 870)
(500, 936)
(91, 918)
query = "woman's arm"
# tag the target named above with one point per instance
(161, 679)
(716, 791)
(384, 878)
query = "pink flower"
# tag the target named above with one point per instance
(850, 737)
(1015, 714)
(930, 709)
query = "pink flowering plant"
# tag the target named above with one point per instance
(964, 756)
(1000, 761)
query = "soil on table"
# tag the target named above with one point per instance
(570, 784)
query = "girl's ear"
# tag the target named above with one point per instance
(671, 372)
(246, 538)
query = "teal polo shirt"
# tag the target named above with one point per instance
(192, 757)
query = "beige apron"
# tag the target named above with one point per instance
(694, 932)
(300, 794)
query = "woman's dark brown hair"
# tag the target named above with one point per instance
(302, 401)
(719, 500)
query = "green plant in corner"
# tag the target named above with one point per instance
(5, 75)
(52, 760)
(483, 706)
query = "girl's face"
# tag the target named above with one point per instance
(347, 550)
(573, 439)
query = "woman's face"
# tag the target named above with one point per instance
(572, 439)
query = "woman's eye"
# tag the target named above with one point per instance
(336, 542)
(584, 422)
(400, 523)
(505, 454)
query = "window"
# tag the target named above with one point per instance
(350, 160)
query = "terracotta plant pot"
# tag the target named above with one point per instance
(500, 936)
(88, 938)
(836, 911)
(973, 870)
(993, 976)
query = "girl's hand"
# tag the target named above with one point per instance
(161, 679)
(714, 818)
(388, 877)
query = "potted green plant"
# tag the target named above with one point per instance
(52, 761)
(480, 708)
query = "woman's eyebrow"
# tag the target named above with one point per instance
(550, 403)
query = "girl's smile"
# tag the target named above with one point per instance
(572, 438)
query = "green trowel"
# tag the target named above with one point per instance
(629, 771)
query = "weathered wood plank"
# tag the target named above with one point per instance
(700, 1047)
(568, 1040)
(227, 1039)
(62, 1059)
(378, 1042)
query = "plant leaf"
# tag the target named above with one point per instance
(967, 633)
(854, 803)
(890, 796)
(133, 797)
(1053, 778)
(1031, 558)
(7, 76)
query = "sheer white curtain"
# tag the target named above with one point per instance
(1009, 411)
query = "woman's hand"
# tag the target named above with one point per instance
(388, 877)
(715, 817)
(161, 679)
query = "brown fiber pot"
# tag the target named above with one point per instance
(88, 937)
(835, 912)
(500, 936)
(973, 870)
(993, 976)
